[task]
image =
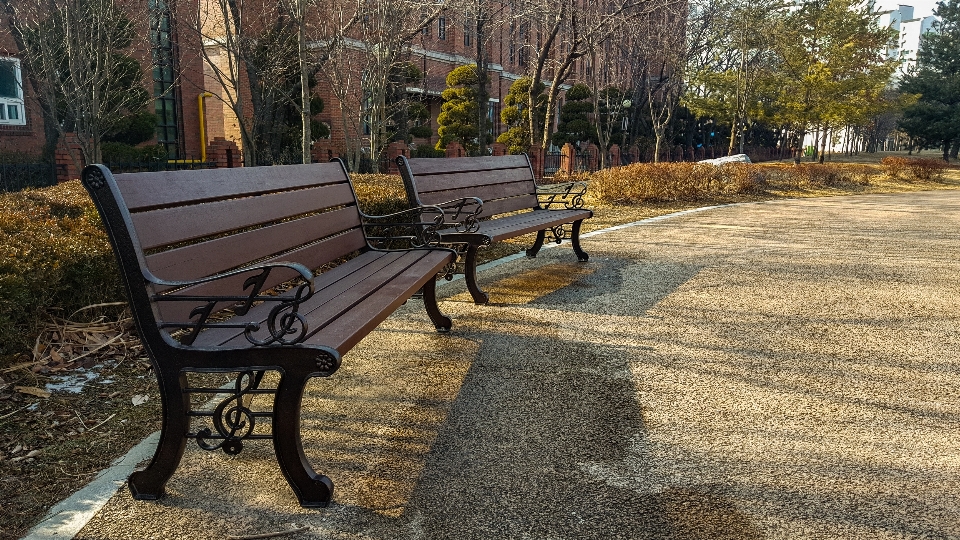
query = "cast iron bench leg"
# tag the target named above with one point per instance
(470, 273)
(148, 484)
(440, 321)
(313, 490)
(575, 240)
(537, 244)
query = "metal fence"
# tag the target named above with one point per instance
(19, 176)
(160, 165)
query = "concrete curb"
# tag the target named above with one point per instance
(69, 516)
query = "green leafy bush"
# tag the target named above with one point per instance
(55, 257)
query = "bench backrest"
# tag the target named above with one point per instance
(504, 183)
(185, 225)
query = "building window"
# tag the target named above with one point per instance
(166, 96)
(426, 27)
(467, 35)
(11, 93)
(442, 28)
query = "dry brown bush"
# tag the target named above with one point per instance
(676, 182)
(918, 168)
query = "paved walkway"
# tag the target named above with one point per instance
(784, 370)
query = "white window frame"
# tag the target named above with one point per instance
(8, 104)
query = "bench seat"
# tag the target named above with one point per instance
(351, 299)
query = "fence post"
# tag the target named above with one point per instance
(535, 153)
(454, 150)
(395, 150)
(499, 149)
(224, 153)
(614, 156)
(568, 159)
(67, 149)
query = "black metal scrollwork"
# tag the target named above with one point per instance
(233, 422)
(428, 233)
(203, 312)
(284, 320)
(559, 233)
(570, 195)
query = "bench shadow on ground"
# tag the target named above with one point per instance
(484, 433)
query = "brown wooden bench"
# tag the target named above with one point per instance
(506, 189)
(191, 243)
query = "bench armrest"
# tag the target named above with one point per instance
(569, 194)
(283, 321)
(420, 226)
(462, 214)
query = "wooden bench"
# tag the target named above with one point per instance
(506, 190)
(191, 243)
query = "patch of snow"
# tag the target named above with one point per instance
(72, 382)
(736, 158)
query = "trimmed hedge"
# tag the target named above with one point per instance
(55, 259)
(55, 256)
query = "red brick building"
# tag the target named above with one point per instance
(172, 72)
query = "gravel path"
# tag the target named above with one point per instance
(785, 369)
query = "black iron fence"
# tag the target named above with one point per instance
(159, 165)
(19, 176)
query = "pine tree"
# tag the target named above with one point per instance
(575, 122)
(935, 117)
(459, 111)
(516, 115)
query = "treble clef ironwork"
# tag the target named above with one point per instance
(232, 422)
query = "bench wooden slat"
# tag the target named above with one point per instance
(485, 193)
(425, 166)
(344, 332)
(512, 204)
(327, 286)
(221, 254)
(168, 188)
(312, 256)
(349, 297)
(454, 180)
(182, 223)
(528, 222)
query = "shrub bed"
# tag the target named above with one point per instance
(676, 182)
(55, 257)
(913, 169)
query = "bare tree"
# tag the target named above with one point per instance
(80, 55)
(566, 30)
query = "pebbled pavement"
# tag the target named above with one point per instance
(783, 369)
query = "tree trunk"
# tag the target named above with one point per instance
(306, 135)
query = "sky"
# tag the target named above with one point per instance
(921, 8)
